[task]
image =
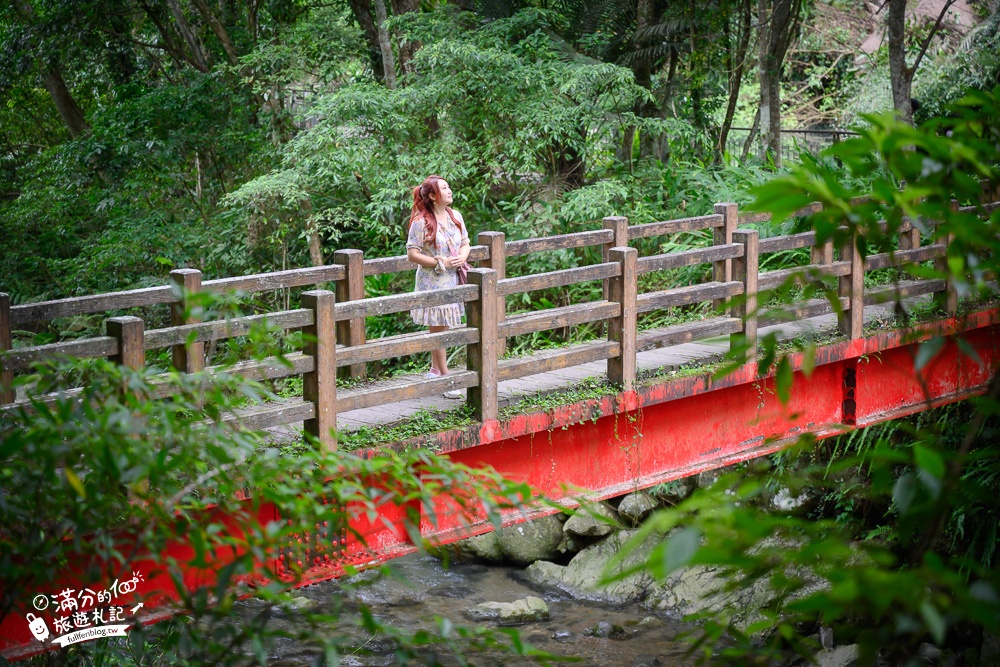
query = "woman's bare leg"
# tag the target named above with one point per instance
(439, 357)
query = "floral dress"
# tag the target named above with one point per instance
(450, 238)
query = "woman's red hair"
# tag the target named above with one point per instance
(423, 206)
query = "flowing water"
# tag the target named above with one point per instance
(418, 588)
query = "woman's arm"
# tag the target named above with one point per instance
(459, 259)
(420, 258)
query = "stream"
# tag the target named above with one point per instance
(418, 587)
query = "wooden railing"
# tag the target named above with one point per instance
(334, 321)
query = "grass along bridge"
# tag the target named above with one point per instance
(644, 428)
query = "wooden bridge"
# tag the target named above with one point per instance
(649, 429)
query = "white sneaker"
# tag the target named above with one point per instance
(431, 374)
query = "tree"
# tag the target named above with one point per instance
(777, 25)
(901, 73)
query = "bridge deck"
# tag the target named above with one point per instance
(670, 358)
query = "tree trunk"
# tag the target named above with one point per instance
(388, 60)
(406, 49)
(900, 73)
(778, 23)
(642, 69)
(219, 30)
(69, 110)
(187, 32)
(363, 15)
(66, 105)
(735, 67)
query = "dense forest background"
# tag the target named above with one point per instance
(138, 136)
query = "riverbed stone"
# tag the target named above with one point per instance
(582, 577)
(841, 656)
(524, 543)
(594, 520)
(526, 610)
(636, 506)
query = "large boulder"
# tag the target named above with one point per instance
(524, 543)
(527, 610)
(636, 506)
(594, 520)
(582, 577)
(483, 548)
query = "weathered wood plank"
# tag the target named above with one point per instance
(405, 345)
(679, 334)
(7, 394)
(673, 226)
(271, 368)
(559, 242)
(618, 226)
(550, 360)
(95, 303)
(622, 329)
(275, 280)
(398, 303)
(905, 290)
(351, 288)
(496, 259)
(366, 397)
(803, 274)
(557, 318)
(675, 260)
(682, 296)
(222, 329)
(319, 386)
(852, 286)
(899, 258)
(722, 268)
(269, 415)
(482, 355)
(787, 242)
(128, 332)
(188, 357)
(22, 358)
(754, 218)
(746, 270)
(800, 311)
(557, 278)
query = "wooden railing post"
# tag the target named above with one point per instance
(319, 386)
(187, 358)
(622, 329)
(852, 320)
(947, 299)
(483, 314)
(351, 288)
(722, 270)
(619, 225)
(746, 270)
(7, 394)
(497, 260)
(130, 333)
(822, 253)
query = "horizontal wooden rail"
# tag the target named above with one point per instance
(801, 274)
(904, 289)
(788, 242)
(555, 318)
(400, 264)
(682, 296)
(887, 260)
(664, 227)
(676, 260)
(22, 358)
(559, 242)
(552, 360)
(678, 334)
(405, 345)
(366, 397)
(269, 415)
(222, 329)
(398, 303)
(264, 282)
(800, 311)
(95, 303)
(559, 278)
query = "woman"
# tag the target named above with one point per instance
(438, 243)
